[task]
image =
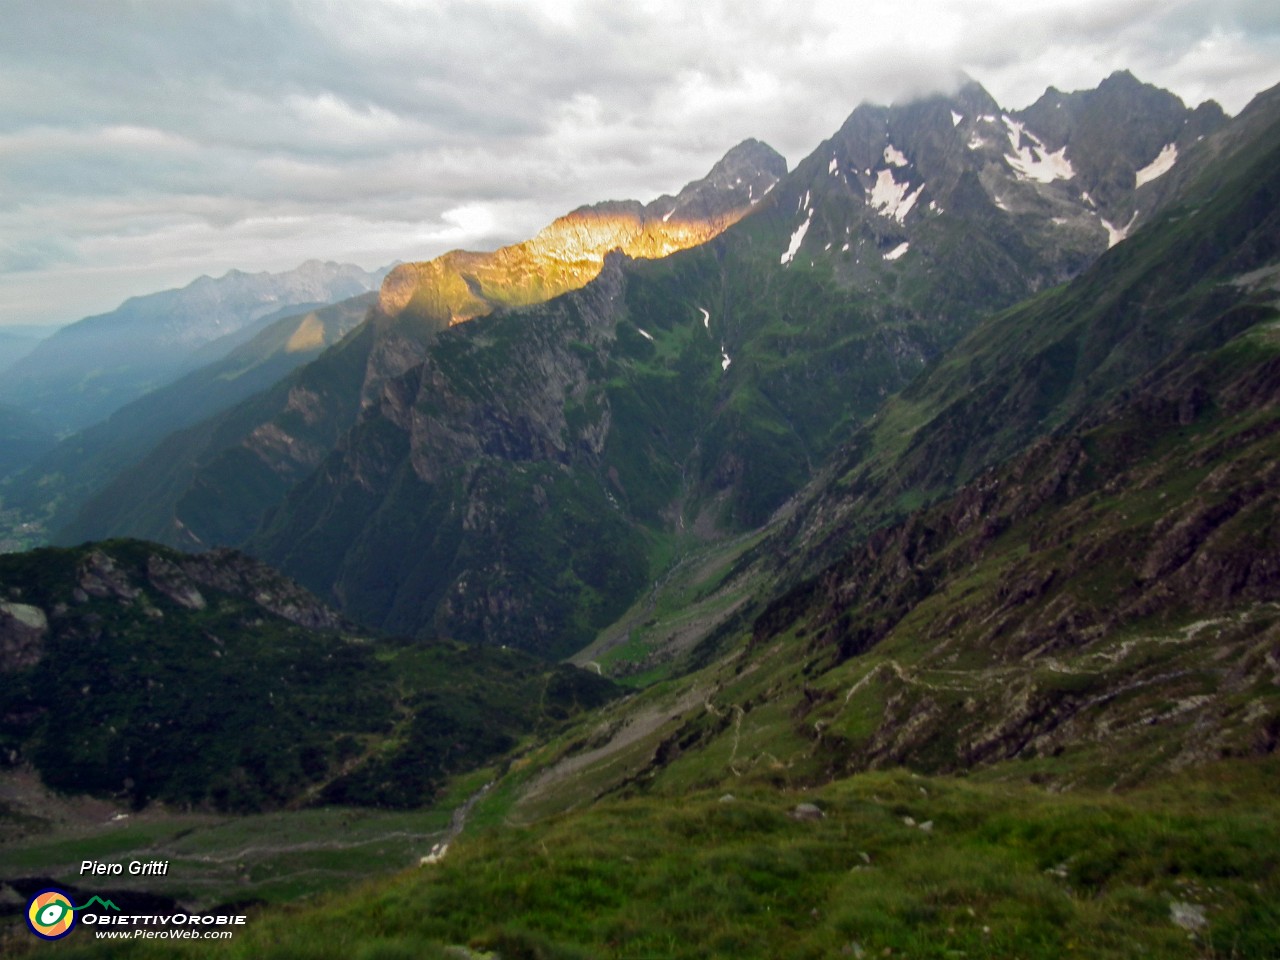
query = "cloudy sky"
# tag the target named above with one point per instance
(145, 143)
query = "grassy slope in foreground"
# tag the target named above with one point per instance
(1181, 870)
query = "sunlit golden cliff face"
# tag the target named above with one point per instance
(570, 252)
(564, 256)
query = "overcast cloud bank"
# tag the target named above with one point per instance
(145, 143)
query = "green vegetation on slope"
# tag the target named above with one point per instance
(492, 487)
(897, 865)
(1190, 280)
(135, 672)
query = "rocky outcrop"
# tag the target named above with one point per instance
(124, 581)
(230, 571)
(23, 629)
(100, 577)
(469, 474)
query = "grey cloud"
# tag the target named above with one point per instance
(38, 254)
(164, 139)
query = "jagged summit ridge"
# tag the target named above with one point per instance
(568, 253)
(743, 176)
(1068, 169)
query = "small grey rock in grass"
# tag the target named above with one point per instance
(807, 811)
(1189, 916)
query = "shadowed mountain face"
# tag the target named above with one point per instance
(509, 487)
(513, 479)
(211, 484)
(1198, 278)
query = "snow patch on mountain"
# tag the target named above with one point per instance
(1158, 167)
(1035, 162)
(898, 251)
(1116, 234)
(833, 167)
(892, 199)
(895, 157)
(645, 333)
(797, 238)
(955, 119)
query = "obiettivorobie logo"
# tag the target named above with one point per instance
(51, 916)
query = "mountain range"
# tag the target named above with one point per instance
(18, 340)
(396, 474)
(949, 453)
(59, 478)
(90, 368)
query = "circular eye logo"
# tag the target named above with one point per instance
(50, 915)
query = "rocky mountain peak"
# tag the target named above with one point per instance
(1056, 183)
(749, 158)
(568, 253)
(1118, 137)
(972, 99)
(741, 178)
